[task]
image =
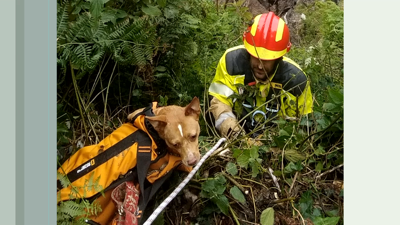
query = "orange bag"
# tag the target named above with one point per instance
(133, 152)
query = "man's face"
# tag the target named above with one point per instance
(258, 70)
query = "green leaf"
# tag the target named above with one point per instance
(254, 152)
(267, 217)
(192, 20)
(305, 122)
(213, 187)
(171, 12)
(319, 167)
(336, 96)
(280, 121)
(162, 3)
(330, 107)
(236, 152)
(161, 68)
(291, 167)
(222, 202)
(264, 148)
(231, 168)
(316, 213)
(96, 6)
(281, 141)
(326, 221)
(277, 173)
(159, 75)
(254, 169)
(319, 151)
(283, 133)
(237, 194)
(332, 155)
(62, 128)
(112, 15)
(324, 122)
(151, 10)
(305, 204)
(136, 93)
(294, 156)
(333, 212)
(243, 159)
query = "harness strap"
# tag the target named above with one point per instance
(273, 108)
(103, 157)
(149, 193)
(148, 111)
(161, 146)
(143, 164)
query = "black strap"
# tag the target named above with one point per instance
(161, 145)
(149, 193)
(275, 104)
(103, 157)
(142, 165)
(148, 111)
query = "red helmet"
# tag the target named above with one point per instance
(268, 37)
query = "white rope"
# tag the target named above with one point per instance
(164, 204)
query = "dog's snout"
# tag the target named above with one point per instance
(191, 159)
(192, 162)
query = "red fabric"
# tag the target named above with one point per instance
(126, 197)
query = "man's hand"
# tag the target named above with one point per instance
(229, 128)
(225, 121)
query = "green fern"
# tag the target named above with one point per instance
(119, 29)
(63, 180)
(76, 210)
(62, 18)
(135, 30)
(75, 213)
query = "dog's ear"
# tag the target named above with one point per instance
(158, 122)
(193, 109)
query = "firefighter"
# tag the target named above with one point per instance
(256, 82)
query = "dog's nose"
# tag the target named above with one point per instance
(192, 162)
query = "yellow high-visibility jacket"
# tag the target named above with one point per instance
(288, 80)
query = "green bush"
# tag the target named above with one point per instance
(321, 47)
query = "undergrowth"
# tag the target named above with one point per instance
(115, 56)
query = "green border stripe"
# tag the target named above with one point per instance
(7, 99)
(19, 123)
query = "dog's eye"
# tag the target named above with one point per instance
(176, 145)
(193, 137)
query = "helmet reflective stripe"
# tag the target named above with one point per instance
(255, 25)
(279, 31)
(263, 53)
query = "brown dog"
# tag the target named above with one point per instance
(179, 127)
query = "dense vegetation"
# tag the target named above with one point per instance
(114, 56)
